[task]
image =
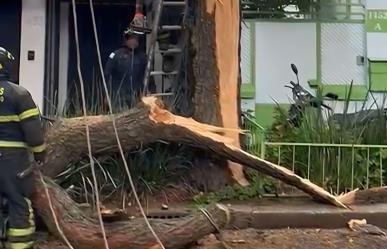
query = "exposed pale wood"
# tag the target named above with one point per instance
(368, 196)
(216, 70)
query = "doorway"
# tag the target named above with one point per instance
(112, 17)
(10, 25)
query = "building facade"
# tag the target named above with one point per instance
(333, 43)
(40, 34)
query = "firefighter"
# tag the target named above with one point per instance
(125, 70)
(21, 139)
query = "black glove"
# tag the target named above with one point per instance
(40, 157)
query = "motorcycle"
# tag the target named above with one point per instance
(303, 99)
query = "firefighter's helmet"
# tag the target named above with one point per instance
(6, 60)
(128, 33)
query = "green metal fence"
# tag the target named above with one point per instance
(255, 135)
(324, 10)
(336, 167)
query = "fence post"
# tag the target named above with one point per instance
(263, 149)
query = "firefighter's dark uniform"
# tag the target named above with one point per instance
(20, 134)
(125, 71)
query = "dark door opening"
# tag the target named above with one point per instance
(111, 21)
(10, 25)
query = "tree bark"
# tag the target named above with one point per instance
(149, 122)
(216, 69)
(83, 232)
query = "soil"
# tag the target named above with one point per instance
(278, 239)
(293, 239)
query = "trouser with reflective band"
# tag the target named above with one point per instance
(17, 191)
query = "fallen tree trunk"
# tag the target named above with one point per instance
(364, 197)
(66, 143)
(149, 123)
(83, 232)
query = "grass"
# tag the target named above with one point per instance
(259, 185)
(153, 168)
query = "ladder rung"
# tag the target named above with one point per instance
(154, 73)
(170, 3)
(171, 27)
(171, 51)
(162, 94)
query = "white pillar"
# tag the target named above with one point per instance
(33, 39)
(63, 55)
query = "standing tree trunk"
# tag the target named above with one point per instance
(216, 69)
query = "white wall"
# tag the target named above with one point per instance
(376, 42)
(33, 37)
(376, 49)
(277, 46)
(248, 105)
(247, 55)
(376, 4)
(341, 43)
(377, 45)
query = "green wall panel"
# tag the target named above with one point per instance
(247, 91)
(377, 21)
(264, 113)
(378, 76)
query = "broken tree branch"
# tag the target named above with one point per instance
(148, 123)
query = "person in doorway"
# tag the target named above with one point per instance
(21, 137)
(125, 70)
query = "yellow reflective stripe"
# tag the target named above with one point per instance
(38, 149)
(29, 113)
(17, 118)
(24, 245)
(31, 217)
(10, 144)
(9, 118)
(19, 232)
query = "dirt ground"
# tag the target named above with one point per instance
(293, 239)
(279, 239)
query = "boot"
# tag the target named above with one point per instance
(169, 63)
(163, 40)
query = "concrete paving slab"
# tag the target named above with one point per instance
(302, 213)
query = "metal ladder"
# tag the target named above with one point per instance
(156, 28)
